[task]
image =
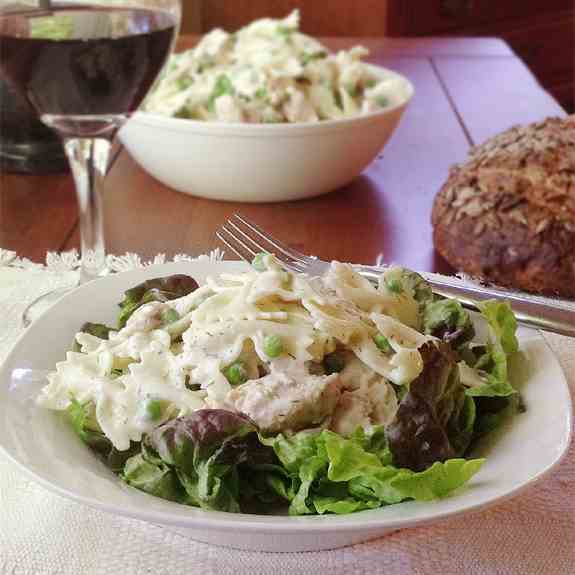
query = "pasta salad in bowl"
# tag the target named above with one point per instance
(265, 114)
(269, 72)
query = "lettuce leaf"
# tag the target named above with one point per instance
(342, 506)
(205, 451)
(158, 289)
(417, 285)
(437, 481)
(96, 329)
(447, 320)
(83, 420)
(502, 322)
(493, 362)
(332, 474)
(154, 478)
(347, 459)
(434, 422)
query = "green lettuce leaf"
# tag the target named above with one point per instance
(416, 284)
(153, 478)
(447, 320)
(437, 481)
(332, 474)
(393, 485)
(492, 412)
(96, 329)
(493, 363)
(206, 451)
(158, 289)
(83, 419)
(341, 506)
(264, 485)
(347, 459)
(502, 322)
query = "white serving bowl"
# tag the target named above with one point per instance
(44, 446)
(262, 162)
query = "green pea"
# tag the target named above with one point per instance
(183, 112)
(382, 343)
(394, 285)
(382, 101)
(236, 373)
(154, 409)
(352, 90)
(273, 345)
(261, 93)
(333, 363)
(184, 82)
(170, 315)
(259, 262)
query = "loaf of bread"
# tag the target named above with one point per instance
(507, 214)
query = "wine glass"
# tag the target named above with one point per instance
(85, 66)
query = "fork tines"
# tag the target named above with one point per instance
(246, 240)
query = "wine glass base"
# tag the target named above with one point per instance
(37, 307)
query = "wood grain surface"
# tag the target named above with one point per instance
(466, 90)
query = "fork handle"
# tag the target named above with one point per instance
(534, 311)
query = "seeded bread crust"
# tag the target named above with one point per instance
(507, 214)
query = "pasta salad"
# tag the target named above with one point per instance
(265, 389)
(269, 72)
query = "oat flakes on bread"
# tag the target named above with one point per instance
(507, 214)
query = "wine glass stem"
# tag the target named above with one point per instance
(89, 159)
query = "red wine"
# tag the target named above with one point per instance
(79, 61)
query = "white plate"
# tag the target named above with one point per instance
(44, 446)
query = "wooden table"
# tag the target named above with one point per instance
(466, 91)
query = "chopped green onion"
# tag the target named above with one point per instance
(184, 82)
(382, 343)
(394, 285)
(310, 56)
(183, 112)
(352, 90)
(170, 315)
(154, 409)
(333, 363)
(222, 86)
(236, 373)
(261, 93)
(273, 345)
(259, 263)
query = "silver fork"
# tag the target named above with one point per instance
(246, 240)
